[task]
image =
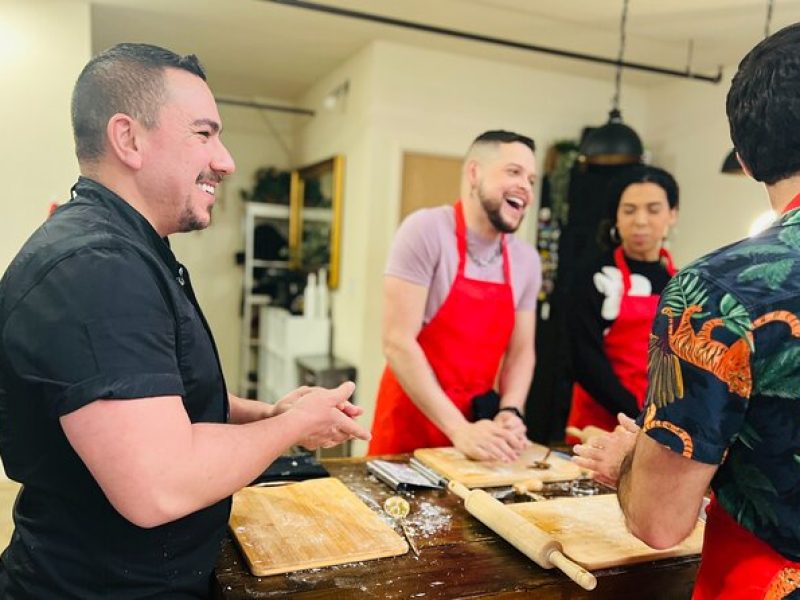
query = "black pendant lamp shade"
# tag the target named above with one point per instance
(731, 165)
(612, 144)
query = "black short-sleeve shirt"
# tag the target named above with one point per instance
(95, 306)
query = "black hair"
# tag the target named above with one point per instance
(499, 136)
(619, 183)
(639, 174)
(763, 107)
(127, 78)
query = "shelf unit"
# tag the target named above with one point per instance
(255, 213)
(327, 177)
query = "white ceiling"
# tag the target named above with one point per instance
(259, 49)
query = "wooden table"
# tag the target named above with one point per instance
(459, 558)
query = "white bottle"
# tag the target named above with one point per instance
(310, 297)
(323, 297)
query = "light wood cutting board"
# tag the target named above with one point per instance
(452, 464)
(305, 525)
(593, 533)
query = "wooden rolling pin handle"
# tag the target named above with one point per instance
(574, 571)
(529, 485)
(458, 488)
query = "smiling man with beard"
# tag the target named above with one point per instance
(114, 413)
(459, 302)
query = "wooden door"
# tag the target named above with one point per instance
(429, 180)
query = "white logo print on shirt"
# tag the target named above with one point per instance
(609, 283)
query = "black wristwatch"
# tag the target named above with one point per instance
(513, 409)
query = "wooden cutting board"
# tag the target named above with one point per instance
(452, 464)
(592, 531)
(315, 523)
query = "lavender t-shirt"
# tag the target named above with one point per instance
(425, 252)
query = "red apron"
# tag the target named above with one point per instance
(463, 343)
(625, 345)
(737, 565)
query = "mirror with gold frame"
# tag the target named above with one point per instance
(316, 222)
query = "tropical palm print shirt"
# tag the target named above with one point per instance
(724, 377)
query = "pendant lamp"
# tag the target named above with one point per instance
(731, 166)
(613, 143)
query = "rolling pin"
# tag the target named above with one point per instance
(521, 533)
(585, 434)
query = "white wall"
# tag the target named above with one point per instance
(43, 47)
(405, 98)
(687, 131)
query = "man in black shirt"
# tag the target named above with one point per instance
(113, 409)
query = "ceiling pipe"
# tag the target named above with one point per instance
(263, 106)
(476, 37)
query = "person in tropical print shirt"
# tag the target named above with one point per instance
(723, 400)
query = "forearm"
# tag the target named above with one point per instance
(412, 370)
(205, 463)
(515, 378)
(660, 492)
(247, 411)
(221, 459)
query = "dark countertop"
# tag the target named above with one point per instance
(459, 558)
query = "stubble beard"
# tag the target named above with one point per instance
(493, 213)
(189, 221)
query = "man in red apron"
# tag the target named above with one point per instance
(612, 311)
(723, 401)
(459, 299)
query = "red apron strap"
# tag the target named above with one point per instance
(792, 205)
(506, 261)
(622, 265)
(668, 262)
(461, 239)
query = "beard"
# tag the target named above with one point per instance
(189, 221)
(492, 211)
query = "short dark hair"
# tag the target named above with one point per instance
(127, 78)
(499, 136)
(763, 107)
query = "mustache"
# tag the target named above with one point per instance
(212, 176)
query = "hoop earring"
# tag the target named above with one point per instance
(613, 234)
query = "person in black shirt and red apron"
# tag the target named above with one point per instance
(612, 311)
